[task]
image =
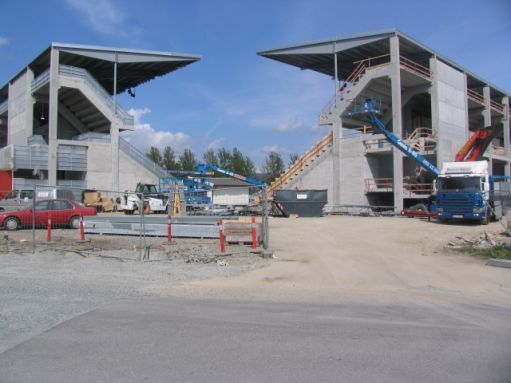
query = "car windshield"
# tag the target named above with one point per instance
(459, 184)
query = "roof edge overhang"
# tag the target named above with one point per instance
(122, 55)
(339, 44)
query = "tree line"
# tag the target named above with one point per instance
(233, 160)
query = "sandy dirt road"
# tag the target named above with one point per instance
(392, 258)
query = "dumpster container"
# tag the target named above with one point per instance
(304, 203)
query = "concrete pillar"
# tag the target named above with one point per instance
(114, 144)
(336, 161)
(53, 117)
(29, 105)
(487, 107)
(507, 138)
(397, 124)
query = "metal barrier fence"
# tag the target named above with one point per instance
(78, 214)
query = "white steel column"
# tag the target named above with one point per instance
(487, 107)
(397, 121)
(53, 117)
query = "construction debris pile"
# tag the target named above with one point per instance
(484, 241)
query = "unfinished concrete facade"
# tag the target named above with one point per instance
(60, 121)
(426, 99)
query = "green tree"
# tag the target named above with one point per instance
(273, 167)
(293, 157)
(209, 157)
(187, 160)
(154, 155)
(224, 158)
(237, 164)
(169, 159)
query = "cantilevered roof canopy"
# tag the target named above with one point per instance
(134, 67)
(319, 55)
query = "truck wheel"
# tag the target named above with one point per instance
(486, 218)
(12, 224)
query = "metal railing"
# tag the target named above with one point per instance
(410, 189)
(474, 96)
(302, 161)
(4, 107)
(141, 158)
(415, 67)
(40, 80)
(360, 70)
(92, 83)
(497, 106)
(375, 144)
(378, 184)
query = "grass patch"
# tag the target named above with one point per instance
(499, 252)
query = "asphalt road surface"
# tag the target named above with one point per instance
(178, 340)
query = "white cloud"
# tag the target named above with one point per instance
(102, 15)
(3, 41)
(292, 125)
(144, 135)
(216, 144)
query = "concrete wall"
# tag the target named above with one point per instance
(354, 170)
(449, 110)
(318, 175)
(99, 169)
(18, 111)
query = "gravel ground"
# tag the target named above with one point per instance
(60, 280)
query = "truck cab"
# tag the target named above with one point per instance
(463, 191)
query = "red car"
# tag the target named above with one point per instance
(62, 212)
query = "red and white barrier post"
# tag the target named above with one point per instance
(169, 229)
(82, 231)
(48, 233)
(254, 234)
(222, 237)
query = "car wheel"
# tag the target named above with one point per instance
(12, 223)
(74, 222)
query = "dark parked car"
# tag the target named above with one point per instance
(62, 212)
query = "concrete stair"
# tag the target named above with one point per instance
(305, 161)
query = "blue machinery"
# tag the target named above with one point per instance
(204, 168)
(370, 109)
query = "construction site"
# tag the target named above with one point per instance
(386, 244)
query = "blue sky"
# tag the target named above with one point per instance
(233, 97)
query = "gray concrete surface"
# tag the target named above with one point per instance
(218, 341)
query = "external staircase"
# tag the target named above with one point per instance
(365, 71)
(303, 162)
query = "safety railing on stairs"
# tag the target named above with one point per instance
(352, 79)
(302, 161)
(361, 68)
(40, 80)
(4, 106)
(141, 158)
(126, 118)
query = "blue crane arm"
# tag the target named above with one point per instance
(203, 168)
(403, 146)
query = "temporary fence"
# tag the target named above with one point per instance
(81, 214)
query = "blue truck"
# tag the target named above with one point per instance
(463, 189)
